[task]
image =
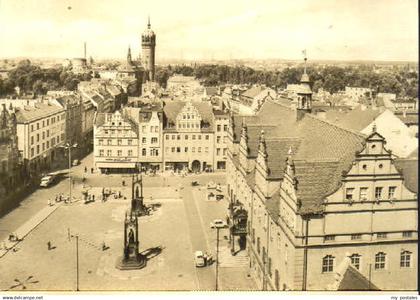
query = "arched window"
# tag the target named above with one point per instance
(405, 261)
(327, 264)
(380, 259)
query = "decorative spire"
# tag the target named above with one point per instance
(305, 59)
(129, 60)
(148, 21)
(262, 146)
(374, 127)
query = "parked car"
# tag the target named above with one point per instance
(76, 162)
(199, 259)
(46, 181)
(218, 224)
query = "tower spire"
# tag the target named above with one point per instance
(148, 21)
(305, 59)
(129, 55)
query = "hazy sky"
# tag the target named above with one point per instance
(221, 29)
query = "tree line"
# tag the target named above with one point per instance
(34, 79)
(400, 81)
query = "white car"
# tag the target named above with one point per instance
(199, 259)
(218, 224)
(46, 181)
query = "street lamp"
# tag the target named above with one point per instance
(68, 146)
(217, 258)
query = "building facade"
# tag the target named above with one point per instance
(41, 130)
(188, 136)
(9, 154)
(115, 143)
(317, 194)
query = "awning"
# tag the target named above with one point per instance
(119, 165)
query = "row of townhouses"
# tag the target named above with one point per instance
(177, 135)
(35, 131)
(323, 207)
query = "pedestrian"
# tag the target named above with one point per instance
(85, 169)
(72, 182)
(123, 183)
(93, 197)
(49, 245)
(104, 247)
(91, 170)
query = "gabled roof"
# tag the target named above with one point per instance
(356, 119)
(173, 108)
(321, 151)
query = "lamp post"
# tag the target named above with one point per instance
(217, 258)
(68, 146)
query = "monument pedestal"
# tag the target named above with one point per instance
(135, 263)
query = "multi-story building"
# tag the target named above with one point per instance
(72, 104)
(316, 195)
(221, 130)
(188, 136)
(9, 154)
(115, 143)
(149, 119)
(41, 129)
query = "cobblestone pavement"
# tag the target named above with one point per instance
(180, 225)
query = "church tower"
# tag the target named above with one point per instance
(148, 43)
(304, 94)
(129, 60)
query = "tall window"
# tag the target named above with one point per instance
(154, 140)
(186, 149)
(143, 152)
(167, 137)
(225, 127)
(391, 192)
(186, 136)
(119, 142)
(405, 259)
(119, 152)
(378, 193)
(130, 152)
(108, 152)
(355, 260)
(349, 193)
(363, 193)
(328, 264)
(218, 139)
(199, 149)
(143, 140)
(129, 142)
(207, 136)
(101, 152)
(109, 142)
(380, 259)
(100, 142)
(219, 127)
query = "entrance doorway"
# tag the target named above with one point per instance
(196, 166)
